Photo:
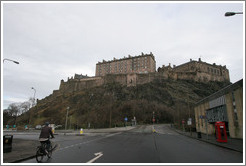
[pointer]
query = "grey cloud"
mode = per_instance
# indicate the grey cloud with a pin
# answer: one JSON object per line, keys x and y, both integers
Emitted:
{"x": 55, "y": 40}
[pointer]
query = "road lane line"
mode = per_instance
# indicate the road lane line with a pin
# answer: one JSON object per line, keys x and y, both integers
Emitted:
{"x": 109, "y": 135}
{"x": 98, "y": 155}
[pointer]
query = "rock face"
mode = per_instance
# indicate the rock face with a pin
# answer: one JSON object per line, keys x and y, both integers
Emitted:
{"x": 108, "y": 104}
{"x": 104, "y": 101}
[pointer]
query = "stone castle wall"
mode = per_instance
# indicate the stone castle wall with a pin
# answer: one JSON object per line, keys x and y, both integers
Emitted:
{"x": 194, "y": 70}
{"x": 197, "y": 71}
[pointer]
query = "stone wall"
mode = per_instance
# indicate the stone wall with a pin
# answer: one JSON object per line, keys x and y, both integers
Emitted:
{"x": 73, "y": 85}
{"x": 194, "y": 70}
{"x": 197, "y": 71}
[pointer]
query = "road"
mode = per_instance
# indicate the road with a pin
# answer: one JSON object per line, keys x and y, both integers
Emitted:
{"x": 139, "y": 145}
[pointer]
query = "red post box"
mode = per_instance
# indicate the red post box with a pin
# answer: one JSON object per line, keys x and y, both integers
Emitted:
{"x": 220, "y": 132}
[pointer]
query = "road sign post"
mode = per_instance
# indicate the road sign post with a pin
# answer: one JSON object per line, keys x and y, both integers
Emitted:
{"x": 126, "y": 119}
{"x": 183, "y": 121}
{"x": 189, "y": 123}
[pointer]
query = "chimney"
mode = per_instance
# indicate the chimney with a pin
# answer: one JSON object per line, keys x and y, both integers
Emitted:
{"x": 169, "y": 64}
{"x": 174, "y": 66}
{"x": 190, "y": 60}
{"x": 199, "y": 59}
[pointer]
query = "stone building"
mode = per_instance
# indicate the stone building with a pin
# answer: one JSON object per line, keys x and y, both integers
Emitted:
{"x": 196, "y": 70}
{"x": 132, "y": 71}
{"x": 225, "y": 105}
{"x": 144, "y": 63}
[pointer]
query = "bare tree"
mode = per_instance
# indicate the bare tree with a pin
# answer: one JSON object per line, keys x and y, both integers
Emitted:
{"x": 14, "y": 110}
{"x": 25, "y": 106}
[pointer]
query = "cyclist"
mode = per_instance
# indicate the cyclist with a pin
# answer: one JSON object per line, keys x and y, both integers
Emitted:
{"x": 45, "y": 134}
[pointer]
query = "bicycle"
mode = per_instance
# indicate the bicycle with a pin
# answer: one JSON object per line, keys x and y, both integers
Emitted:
{"x": 43, "y": 152}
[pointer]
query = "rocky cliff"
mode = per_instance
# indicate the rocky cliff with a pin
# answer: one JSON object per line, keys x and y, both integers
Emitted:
{"x": 108, "y": 104}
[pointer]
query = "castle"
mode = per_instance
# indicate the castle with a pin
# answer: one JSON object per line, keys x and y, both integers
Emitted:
{"x": 144, "y": 63}
{"x": 197, "y": 71}
{"x": 132, "y": 71}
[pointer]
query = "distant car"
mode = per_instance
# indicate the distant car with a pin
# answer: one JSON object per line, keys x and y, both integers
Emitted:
{"x": 38, "y": 127}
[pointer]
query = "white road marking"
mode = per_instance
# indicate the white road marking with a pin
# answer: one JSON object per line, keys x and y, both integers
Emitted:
{"x": 98, "y": 155}
{"x": 109, "y": 135}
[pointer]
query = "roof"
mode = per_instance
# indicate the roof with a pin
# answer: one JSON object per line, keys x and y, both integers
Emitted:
{"x": 222, "y": 92}
{"x": 129, "y": 57}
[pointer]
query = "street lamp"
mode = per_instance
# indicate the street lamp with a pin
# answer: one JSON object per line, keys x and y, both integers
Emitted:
{"x": 34, "y": 95}
{"x": 227, "y": 14}
{"x": 66, "y": 119}
{"x": 10, "y": 60}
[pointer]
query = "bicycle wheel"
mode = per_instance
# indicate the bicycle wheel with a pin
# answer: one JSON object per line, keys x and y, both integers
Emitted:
{"x": 50, "y": 151}
{"x": 39, "y": 155}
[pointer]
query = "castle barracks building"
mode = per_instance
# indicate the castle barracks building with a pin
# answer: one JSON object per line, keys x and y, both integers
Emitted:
{"x": 144, "y": 63}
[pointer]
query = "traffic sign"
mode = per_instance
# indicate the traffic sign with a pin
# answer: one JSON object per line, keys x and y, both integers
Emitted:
{"x": 126, "y": 119}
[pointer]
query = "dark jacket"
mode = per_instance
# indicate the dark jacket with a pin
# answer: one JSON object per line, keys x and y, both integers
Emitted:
{"x": 46, "y": 132}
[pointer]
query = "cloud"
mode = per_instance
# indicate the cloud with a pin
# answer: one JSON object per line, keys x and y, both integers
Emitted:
{"x": 53, "y": 41}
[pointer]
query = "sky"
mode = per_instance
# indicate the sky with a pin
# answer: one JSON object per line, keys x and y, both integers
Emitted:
{"x": 53, "y": 41}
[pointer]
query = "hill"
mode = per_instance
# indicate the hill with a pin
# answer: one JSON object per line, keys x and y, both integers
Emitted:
{"x": 108, "y": 105}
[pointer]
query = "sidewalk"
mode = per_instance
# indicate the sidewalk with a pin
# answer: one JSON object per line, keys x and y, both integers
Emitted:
{"x": 94, "y": 131}
{"x": 232, "y": 143}
{"x": 21, "y": 149}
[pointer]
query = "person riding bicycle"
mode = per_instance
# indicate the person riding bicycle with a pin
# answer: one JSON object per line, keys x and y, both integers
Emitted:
{"x": 45, "y": 134}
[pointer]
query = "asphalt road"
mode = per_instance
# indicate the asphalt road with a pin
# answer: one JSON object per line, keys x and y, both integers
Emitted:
{"x": 139, "y": 145}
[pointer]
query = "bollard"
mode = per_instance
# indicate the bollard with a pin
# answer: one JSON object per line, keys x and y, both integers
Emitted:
{"x": 81, "y": 131}
{"x": 153, "y": 129}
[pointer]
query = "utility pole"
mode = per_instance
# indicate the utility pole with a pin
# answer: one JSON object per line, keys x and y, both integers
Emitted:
{"x": 33, "y": 96}
{"x": 153, "y": 119}
{"x": 206, "y": 126}
{"x": 66, "y": 119}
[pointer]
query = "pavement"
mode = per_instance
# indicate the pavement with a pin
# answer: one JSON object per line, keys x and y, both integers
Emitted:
{"x": 231, "y": 144}
{"x": 21, "y": 149}
{"x": 25, "y": 149}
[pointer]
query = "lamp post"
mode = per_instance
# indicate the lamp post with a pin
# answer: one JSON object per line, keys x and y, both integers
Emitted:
{"x": 66, "y": 119}
{"x": 34, "y": 95}
{"x": 10, "y": 60}
{"x": 227, "y": 14}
